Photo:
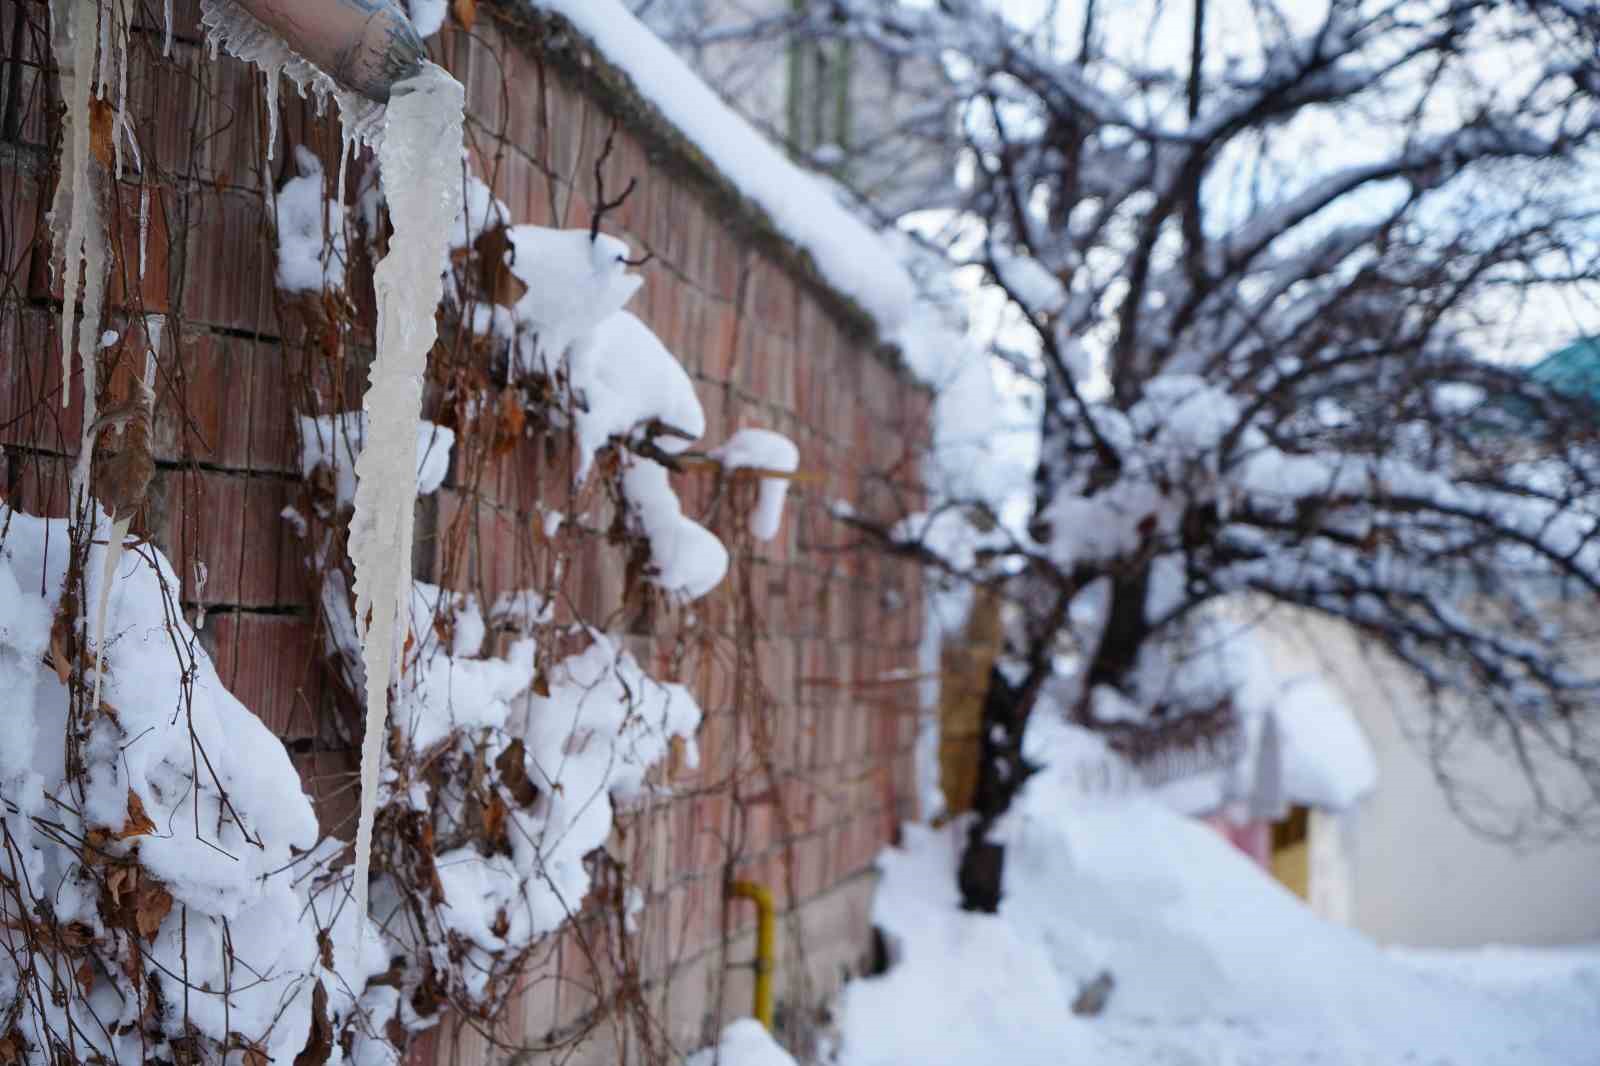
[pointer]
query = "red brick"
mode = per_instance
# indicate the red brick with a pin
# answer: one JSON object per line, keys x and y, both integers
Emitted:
{"x": 271, "y": 664}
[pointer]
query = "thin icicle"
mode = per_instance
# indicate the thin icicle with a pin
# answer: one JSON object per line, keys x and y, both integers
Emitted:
{"x": 166, "y": 47}
{"x": 74, "y": 50}
{"x": 424, "y": 198}
{"x": 116, "y": 543}
{"x": 144, "y": 229}
{"x": 274, "y": 77}
{"x": 114, "y": 549}
{"x": 120, "y": 13}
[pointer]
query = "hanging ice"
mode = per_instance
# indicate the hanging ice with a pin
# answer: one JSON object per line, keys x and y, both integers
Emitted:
{"x": 423, "y": 187}
{"x": 81, "y": 255}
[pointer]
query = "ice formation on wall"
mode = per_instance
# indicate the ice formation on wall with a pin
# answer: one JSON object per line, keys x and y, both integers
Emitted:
{"x": 81, "y": 256}
{"x": 424, "y": 199}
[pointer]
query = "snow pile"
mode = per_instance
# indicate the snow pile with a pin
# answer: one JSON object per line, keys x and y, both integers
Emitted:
{"x": 686, "y": 558}
{"x": 743, "y": 1043}
{"x": 185, "y": 829}
{"x": 574, "y": 280}
{"x": 614, "y": 381}
{"x": 559, "y": 762}
{"x": 334, "y": 442}
{"x": 765, "y": 451}
{"x": 614, "y": 378}
{"x": 626, "y": 384}
{"x": 311, "y": 240}
{"x": 1212, "y": 962}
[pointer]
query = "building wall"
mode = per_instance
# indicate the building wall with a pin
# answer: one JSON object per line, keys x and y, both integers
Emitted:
{"x": 765, "y": 342}
{"x": 1402, "y": 866}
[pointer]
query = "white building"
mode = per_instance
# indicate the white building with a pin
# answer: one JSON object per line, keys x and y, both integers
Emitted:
{"x": 1401, "y": 865}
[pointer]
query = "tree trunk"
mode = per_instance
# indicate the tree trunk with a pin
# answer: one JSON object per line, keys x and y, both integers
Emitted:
{"x": 1001, "y": 774}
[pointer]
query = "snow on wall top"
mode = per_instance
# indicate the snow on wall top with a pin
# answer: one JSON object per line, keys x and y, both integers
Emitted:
{"x": 849, "y": 254}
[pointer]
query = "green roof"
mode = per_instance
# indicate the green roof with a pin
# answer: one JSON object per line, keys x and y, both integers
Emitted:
{"x": 1573, "y": 371}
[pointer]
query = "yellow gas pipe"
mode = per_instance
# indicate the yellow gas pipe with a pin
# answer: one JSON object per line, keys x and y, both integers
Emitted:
{"x": 766, "y": 940}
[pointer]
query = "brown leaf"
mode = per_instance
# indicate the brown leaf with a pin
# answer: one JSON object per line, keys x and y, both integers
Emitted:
{"x": 139, "y": 823}
{"x": 120, "y": 879}
{"x": 325, "y": 948}
{"x": 494, "y": 823}
{"x": 11, "y": 1046}
{"x": 499, "y": 284}
{"x": 151, "y": 907}
{"x": 319, "y": 1042}
{"x": 60, "y": 660}
{"x": 76, "y": 936}
{"x": 466, "y": 12}
{"x": 511, "y": 422}
{"x": 512, "y": 767}
{"x": 85, "y": 976}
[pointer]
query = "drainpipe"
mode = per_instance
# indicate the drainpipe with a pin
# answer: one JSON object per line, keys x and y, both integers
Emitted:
{"x": 766, "y": 939}
{"x": 364, "y": 45}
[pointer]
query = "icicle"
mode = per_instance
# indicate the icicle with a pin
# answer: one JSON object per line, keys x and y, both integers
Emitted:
{"x": 121, "y": 31}
{"x": 144, "y": 229}
{"x": 345, "y": 148}
{"x": 85, "y": 244}
{"x": 102, "y": 29}
{"x": 166, "y": 47}
{"x": 119, "y": 532}
{"x": 424, "y": 199}
{"x": 74, "y": 52}
{"x": 274, "y": 76}
{"x": 119, "y": 527}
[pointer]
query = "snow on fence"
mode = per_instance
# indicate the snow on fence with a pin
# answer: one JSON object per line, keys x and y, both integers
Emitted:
{"x": 243, "y": 484}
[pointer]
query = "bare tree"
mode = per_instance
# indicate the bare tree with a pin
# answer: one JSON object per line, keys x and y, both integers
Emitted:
{"x": 1274, "y": 270}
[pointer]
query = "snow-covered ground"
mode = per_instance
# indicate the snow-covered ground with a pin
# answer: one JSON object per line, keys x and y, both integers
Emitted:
{"x": 1213, "y": 962}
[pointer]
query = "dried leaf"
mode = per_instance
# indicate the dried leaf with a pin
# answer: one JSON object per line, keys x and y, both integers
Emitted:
{"x": 513, "y": 418}
{"x": 498, "y": 283}
{"x": 139, "y": 823}
{"x": 325, "y": 948}
{"x": 60, "y": 661}
{"x": 466, "y": 12}
{"x": 75, "y": 936}
{"x": 151, "y": 907}
{"x": 11, "y": 1046}
{"x": 85, "y": 976}
{"x": 512, "y": 767}
{"x": 319, "y": 1042}
{"x": 494, "y": 823}
{"x": 120, "y": 879}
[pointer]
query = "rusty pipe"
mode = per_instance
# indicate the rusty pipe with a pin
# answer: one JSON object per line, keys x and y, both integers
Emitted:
{"x": 364, "y": 45}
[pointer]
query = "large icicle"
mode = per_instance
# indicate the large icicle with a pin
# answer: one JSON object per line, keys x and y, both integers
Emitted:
{"x": 82, "y": 254}
{"x": 422, "y": 183}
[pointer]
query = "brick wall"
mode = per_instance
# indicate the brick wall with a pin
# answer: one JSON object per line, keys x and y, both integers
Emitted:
{"x": 766, "y": 344}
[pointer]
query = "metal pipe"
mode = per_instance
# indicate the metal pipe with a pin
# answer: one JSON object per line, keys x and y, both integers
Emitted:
{"x": 766, "y": 945}
{"x": 364, "y": 45}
